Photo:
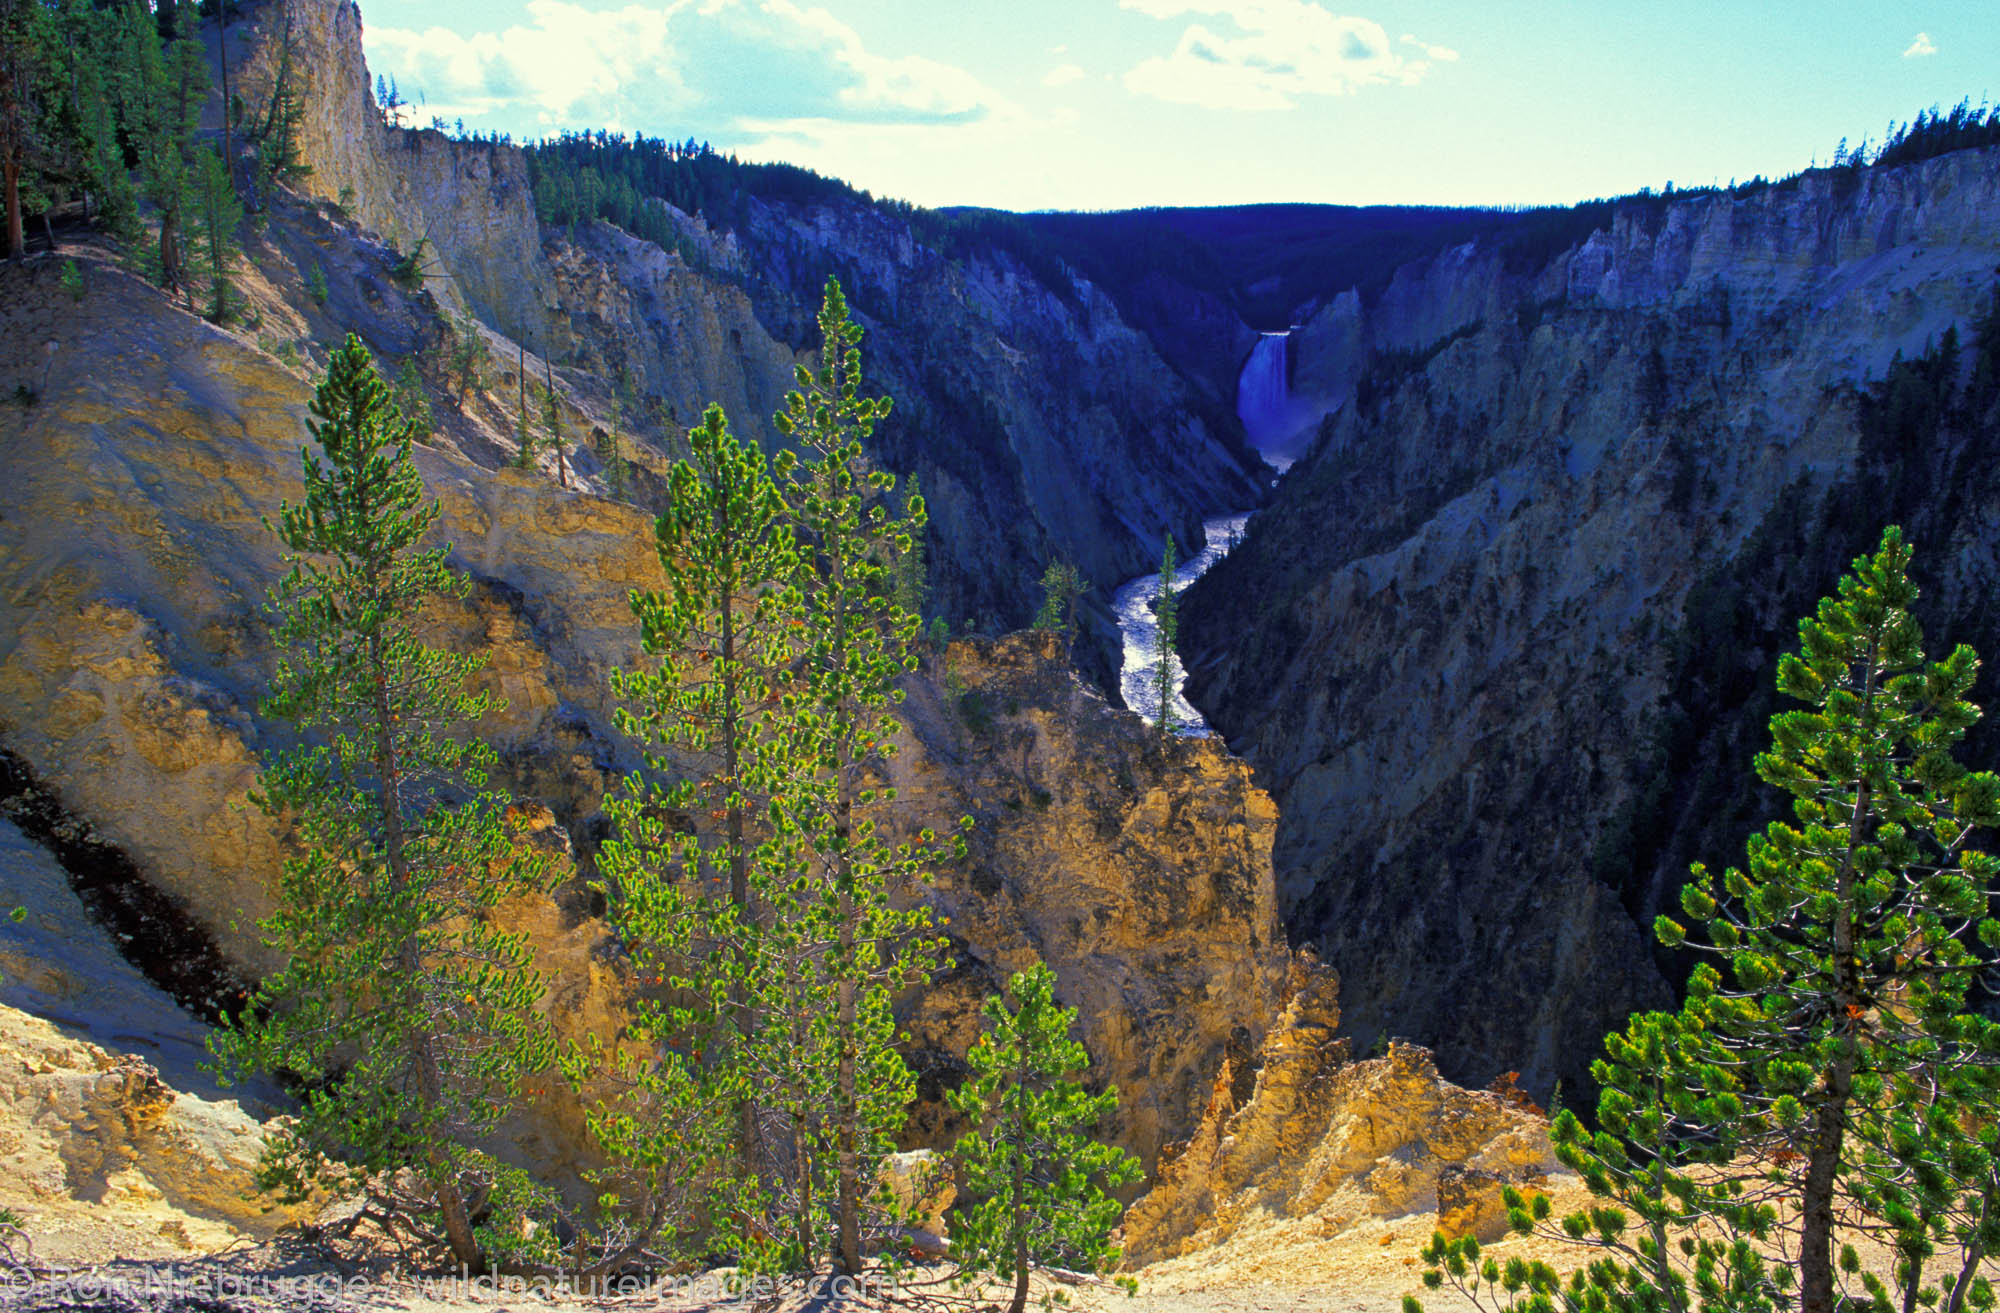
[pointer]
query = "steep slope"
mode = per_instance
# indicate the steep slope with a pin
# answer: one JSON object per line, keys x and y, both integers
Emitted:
{"x": 116, "y": 1140}
{"x": 1306, "y": 1142}
{"x": 1137, "y": 868}
{"x": 1040, "y": 423}
{"x": 1499, "y": 647}
{"x": 134, "y": 557}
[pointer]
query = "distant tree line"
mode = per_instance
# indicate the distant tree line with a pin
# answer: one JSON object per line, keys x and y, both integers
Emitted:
{"x": 606, "y": 175}
{"x": 1937, "y": 132}
{"x": 617, "y": 179}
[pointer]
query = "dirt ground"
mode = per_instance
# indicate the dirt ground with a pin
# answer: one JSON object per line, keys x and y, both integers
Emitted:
{"x": 1273, "y": 1270}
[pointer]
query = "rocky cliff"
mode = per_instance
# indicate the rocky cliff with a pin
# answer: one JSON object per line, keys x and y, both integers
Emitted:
{"x": 116, "y": 1141}
{"x": 1503, "y": 645}
{"x": 1298, "y": 1140}
{"x": 1136, "y": 868}
{"x": 1041, "y": 424}
{"x": 469, "y": 201}
{"x": 134, "y": 556}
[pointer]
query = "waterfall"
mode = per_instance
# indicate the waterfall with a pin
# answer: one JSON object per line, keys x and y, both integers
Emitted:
{"x": 1263, "y": 397}
{"x": 1276, "y": 421}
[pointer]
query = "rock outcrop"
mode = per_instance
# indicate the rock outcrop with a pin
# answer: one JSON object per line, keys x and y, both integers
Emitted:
{"x": 1502, "y": 648}
{"x": 114, "y": 1140}
{"x": 134, "y": 558}
{"x": 1136, "y": 869}
{"x": 470, "y": 202}
{"x": 1308, "y": 1138}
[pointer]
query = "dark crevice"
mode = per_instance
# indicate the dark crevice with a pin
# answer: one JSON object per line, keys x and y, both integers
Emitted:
{"x": 151, "y": 929}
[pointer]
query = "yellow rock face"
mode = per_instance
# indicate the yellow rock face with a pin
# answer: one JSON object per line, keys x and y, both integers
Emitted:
{"x": 112, "y": 1139}
{"x": 1138, "y": 870}
{"x": 1314, "y": 1135}
{"x": 133, "y": 558}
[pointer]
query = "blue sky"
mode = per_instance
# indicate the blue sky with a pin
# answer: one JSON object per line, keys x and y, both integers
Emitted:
{"x": 1108, "y": 104}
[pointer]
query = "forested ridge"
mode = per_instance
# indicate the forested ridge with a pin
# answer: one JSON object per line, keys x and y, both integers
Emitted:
{"x": 1265, "y": 261}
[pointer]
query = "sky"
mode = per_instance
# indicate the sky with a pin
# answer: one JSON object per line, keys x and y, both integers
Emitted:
{"x": 1114, "y": 104}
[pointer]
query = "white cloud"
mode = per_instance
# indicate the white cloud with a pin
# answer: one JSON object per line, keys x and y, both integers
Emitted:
{"x": 913, "y": 84}
{"x": 687, "y": 68}
{"x": 1923, "y": 45}
{"x": 1281, "y": 50}
{"x": 1442, "y": 54}
{"x": 1062, "y": 75}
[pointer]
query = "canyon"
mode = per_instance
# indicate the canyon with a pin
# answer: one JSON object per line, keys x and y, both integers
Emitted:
{"x": 1502, "y": 646}
{"x": 1475, "y": 664}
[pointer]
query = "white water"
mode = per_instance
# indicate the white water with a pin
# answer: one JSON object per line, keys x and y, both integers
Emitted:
{"x": 1136, "y": 622}
{"x": 1273, "y": 418}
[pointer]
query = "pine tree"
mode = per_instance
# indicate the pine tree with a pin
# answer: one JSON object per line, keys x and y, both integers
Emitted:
{"x": 29, "y": 56}
{"x": 525, "y": 445}
{"x": 859, "y": 644}
{"x": 1031, "y": 1166}
{"x": 97, "y": 40}
{"x": 470, "y": 356}
{"x": 1830, "y": 1071}
{"x": 725, "y": 631}
{"x": 912, "y": 567}
{"x": 611, "y": 454}
{"x": 552, "y": 430}
{"x": 162, "y": 99}
{"x": 412, "y": 401}
{"x": 406, "y": 1015}
{"x": 216, "y": 213}
{"x": 1166, "y": 633}
{"x": 276, "y": 135}
{"x": 1062, "y": 585}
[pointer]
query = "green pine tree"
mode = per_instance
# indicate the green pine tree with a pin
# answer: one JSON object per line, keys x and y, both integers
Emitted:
{"x": 1167, "y": 632}
{"x": 525, "y": 445}
{"x": 1031, "y": 1166}
{"x": 215, "y": 212}
{"x": 162, "y": 97}
{"x": 859, "y": 645}
{"x": 470, "y": 355}
{"x": 107, "y": 185}
{"x": 413, "y": 401}
{"x": 552, "y": 431}
{"x": 1828, "y": 1068}
{"x": 611, "y": 454}
{"x": 31, "y": 63}
{"x": 275, "y": 134}
{"x": 405, "y": 1013}
{"x": 912, "y": 571}
{"x": 1062, "y": 585}
{"x": 691, "y": 903}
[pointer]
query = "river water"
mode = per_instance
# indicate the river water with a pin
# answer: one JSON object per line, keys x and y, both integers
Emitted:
{"x": 1136, "y": 622}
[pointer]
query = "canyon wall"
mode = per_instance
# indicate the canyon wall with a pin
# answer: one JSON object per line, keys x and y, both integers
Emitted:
{"x": 1041, "y": 424}
{"x": 134, "y": 559}
{"x": 1503, "y": 645}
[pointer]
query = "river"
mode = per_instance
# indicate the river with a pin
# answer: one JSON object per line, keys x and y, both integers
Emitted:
{"x": 1137, "y": 624}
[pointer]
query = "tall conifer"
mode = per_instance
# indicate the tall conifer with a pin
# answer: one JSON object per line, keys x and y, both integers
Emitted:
{"x": 1166, "y": 632}
{"x": 1828, "y": 1075}
{"x": 859, "y": 644}
{"x": 406, "y": 1014}
{"x": 1033, "y": 1173}
{"x": 690, "y": 902}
